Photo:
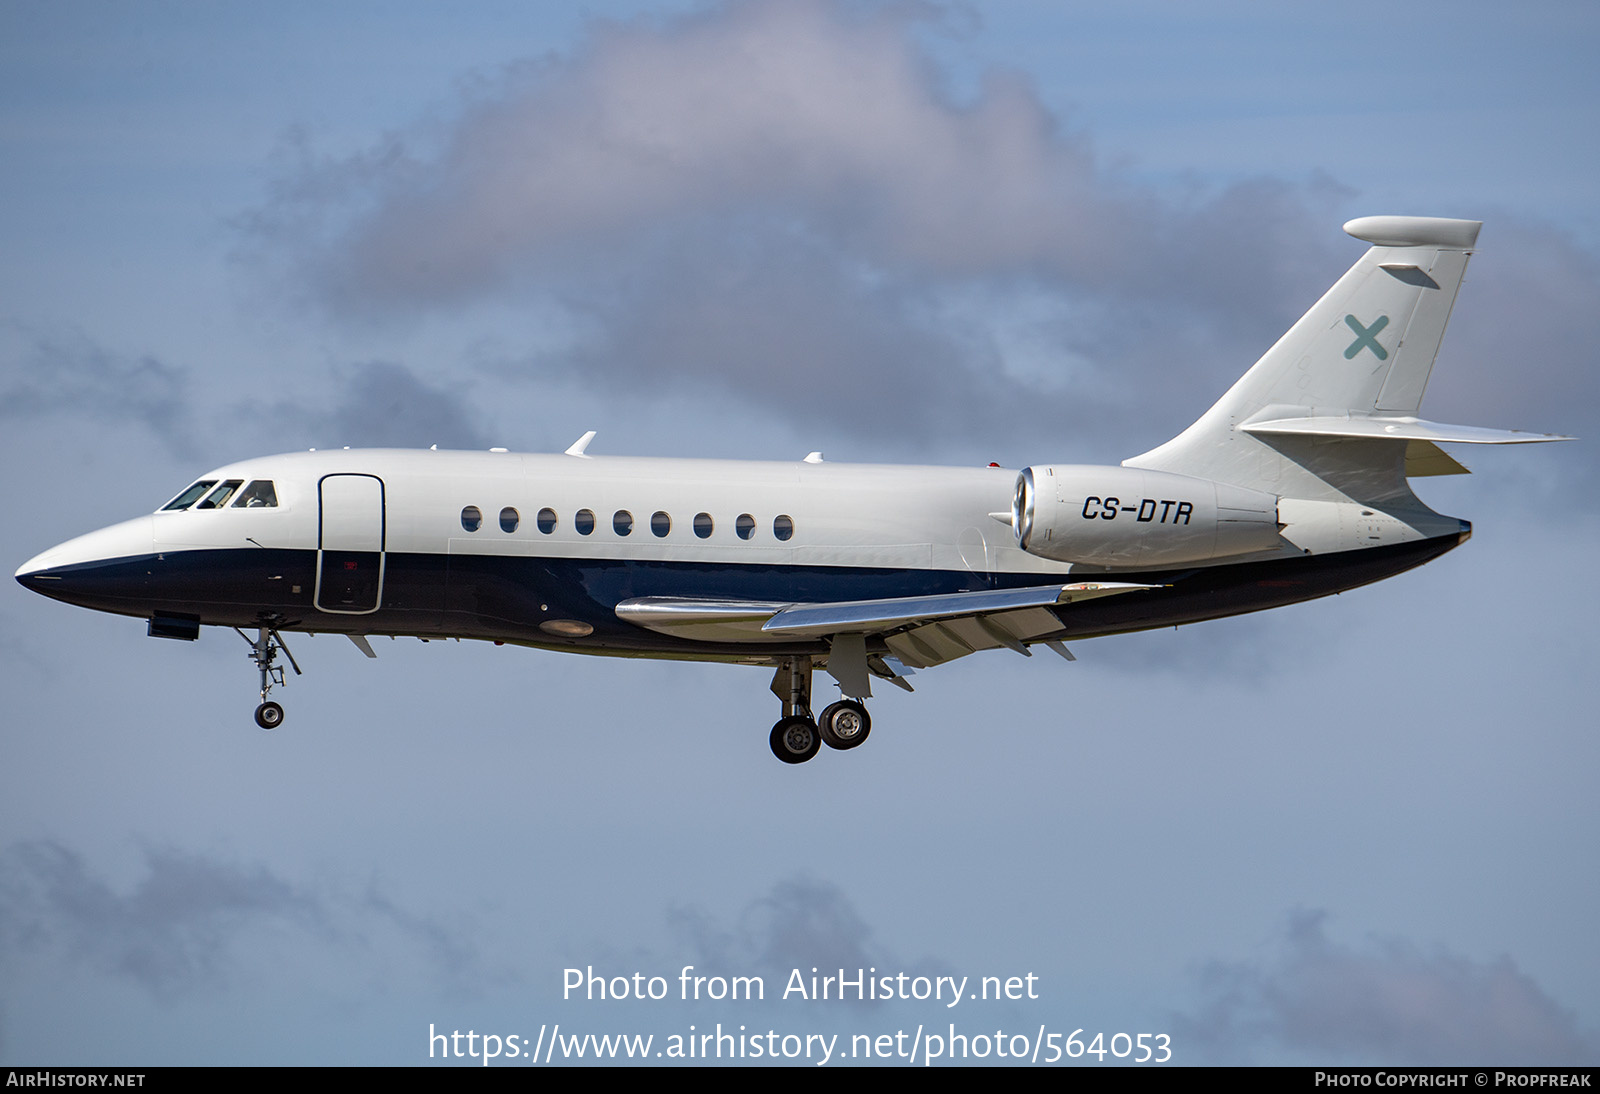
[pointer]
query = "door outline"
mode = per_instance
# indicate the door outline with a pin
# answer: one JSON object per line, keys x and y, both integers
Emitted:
{"x": 355, "y": 535}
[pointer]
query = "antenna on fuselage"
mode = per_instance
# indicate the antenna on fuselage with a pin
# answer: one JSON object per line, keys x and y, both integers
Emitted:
{"x": 580, "y": 444}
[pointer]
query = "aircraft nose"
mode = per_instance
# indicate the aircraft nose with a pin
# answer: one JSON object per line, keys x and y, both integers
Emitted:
{"x": 87, "y": 562}
{"x": 33, "y": 565}
{"x": 39, "y": 566}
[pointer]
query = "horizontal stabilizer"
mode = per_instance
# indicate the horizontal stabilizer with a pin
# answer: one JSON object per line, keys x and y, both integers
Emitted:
{"x": 1404, "y": 428}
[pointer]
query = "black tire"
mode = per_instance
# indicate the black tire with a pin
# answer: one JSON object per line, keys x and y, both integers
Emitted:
{"x": 795, "y": 740}
{"x": 845, "y": 724}
{"x": 269, "y": 716}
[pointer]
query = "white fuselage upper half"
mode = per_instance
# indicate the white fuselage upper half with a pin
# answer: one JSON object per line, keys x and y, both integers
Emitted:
{"x": 724, "y": 512}
{"x": 837, "y": 514}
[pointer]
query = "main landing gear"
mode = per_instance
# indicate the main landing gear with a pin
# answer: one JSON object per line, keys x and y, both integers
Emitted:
{"x": 797, "y": 737}
{"x": 263, "y": 652}
{"x": 844, "y": 724}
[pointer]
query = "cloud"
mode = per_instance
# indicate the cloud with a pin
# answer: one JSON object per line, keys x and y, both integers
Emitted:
{"x": 778, "y": 200}
{"x": 793, "y": 107}
{"x": 379, "y": 404}
{"x": 803, "y": 923}
{"x": 1383, "y": 1003}
{"x": 169, "y": 934}
{"x": 1522, "y": 339}
{"x": 191, "y": 923}
{"x": 69, "y": 373}
{"x": 795, "y": 338}
{"x": 449, "y": 950}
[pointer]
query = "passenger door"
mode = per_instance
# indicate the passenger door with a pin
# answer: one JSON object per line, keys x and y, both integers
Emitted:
{"x": 350, "y": 544}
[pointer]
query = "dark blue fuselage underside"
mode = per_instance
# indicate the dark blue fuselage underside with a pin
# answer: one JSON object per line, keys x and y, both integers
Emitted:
{"x": 506, "y": 598}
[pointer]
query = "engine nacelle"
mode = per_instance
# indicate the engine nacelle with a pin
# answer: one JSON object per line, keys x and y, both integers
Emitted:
{"x": 1130, "y": 517}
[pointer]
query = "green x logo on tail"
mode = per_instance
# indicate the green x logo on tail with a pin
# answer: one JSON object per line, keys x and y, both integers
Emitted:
{"x": 1366, "y": 337}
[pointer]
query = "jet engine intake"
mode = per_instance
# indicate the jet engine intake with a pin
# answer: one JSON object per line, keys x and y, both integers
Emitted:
{"x": 1130, "y": 517}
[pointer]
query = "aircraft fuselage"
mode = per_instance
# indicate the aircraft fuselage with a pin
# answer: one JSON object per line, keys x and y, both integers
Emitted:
{"x": 452, "y": 544}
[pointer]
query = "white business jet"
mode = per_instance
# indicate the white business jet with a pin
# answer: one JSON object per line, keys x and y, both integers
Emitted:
{"x": 1293, "y": 486}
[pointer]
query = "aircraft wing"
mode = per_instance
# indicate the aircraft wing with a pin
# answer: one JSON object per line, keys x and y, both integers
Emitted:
{"x": 919, "y": 630}
{"x": 922, "y": 631}
{"x": 876, "y": 616}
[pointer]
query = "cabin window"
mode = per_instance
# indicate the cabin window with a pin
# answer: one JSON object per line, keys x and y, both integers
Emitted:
{"x": 547, "y": 521}
{"x": 622, "y": 522}
{"x": 660, "y": 524}
{"x": 258, "y": 495}
{"x": 702, "y": 525}
{"x": 745, "y": 526}
{"x": 219, "y": 497}
{"x": 584, "y": 521}
{"x": 472, "y": 518}
{"x": 190, "y": 496}
{"x": 509, "y": 519}
{"x": 783, "y": 527}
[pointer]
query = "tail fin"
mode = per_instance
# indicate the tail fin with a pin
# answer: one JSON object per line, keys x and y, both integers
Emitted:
{"x": 1329, "y": 411}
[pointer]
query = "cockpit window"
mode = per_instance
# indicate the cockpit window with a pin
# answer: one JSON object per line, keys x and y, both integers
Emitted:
{"x": 190, "y": 496}
{"x": 219, "y": 497}
{"x": 258, "y": 495}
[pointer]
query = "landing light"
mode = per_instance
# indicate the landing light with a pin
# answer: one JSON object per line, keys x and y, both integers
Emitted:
{"x": 566, "y": 628}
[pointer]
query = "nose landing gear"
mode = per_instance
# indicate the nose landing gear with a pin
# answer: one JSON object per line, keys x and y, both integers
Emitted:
{"x": 263, "y": 653}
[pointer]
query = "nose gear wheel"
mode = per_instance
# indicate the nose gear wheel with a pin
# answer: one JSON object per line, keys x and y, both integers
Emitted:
{"x": 263, "y": 654}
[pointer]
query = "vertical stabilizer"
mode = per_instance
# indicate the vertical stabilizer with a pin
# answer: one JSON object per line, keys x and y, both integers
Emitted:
{"x": 1365, "y": 349}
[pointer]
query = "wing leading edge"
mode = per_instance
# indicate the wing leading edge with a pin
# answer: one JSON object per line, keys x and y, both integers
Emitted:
{"x": 920, "y": 631}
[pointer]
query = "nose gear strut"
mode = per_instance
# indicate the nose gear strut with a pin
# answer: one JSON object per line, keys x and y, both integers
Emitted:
{"x": 263, "y": 652}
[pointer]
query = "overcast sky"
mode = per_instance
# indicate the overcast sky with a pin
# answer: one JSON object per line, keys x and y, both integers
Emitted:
{"x": 1359, "y": 830}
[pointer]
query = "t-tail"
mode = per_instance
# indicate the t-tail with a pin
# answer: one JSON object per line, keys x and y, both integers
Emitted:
{"x": 1327, "y": 419}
